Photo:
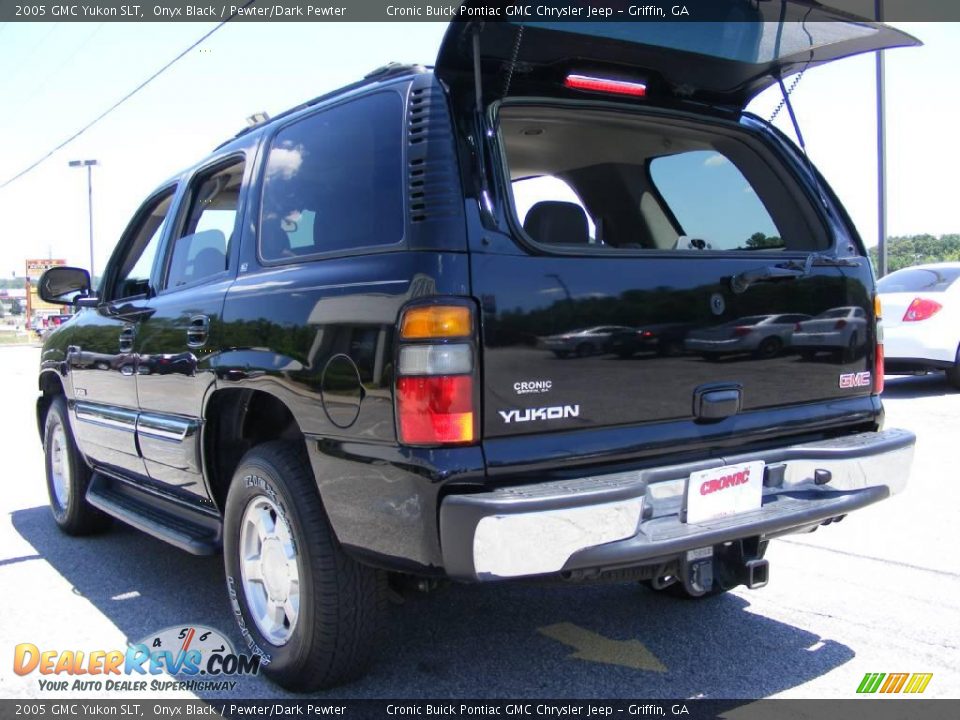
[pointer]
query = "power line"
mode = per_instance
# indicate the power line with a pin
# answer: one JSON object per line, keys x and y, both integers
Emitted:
{"x": 56, "y": 72}
{"x": 33, "y": 49}
{"x": 126, "y": 97}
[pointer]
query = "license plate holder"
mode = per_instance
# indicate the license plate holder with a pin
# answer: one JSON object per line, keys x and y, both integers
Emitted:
{"x": 723, "y": 491}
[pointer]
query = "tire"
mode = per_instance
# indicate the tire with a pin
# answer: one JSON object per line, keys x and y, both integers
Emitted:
{"x": 335, "y": 625}
{"x": 770, "y": 347}
{"x": 953, "y": 374}
{"x": 585, "y": 350}
{"x": 671, "y": 348}
{"x": 853, "y": 348}
{"x": 561, "y": 354}
{"x": 807, "y": 354}
{"x": 68, "y": 476}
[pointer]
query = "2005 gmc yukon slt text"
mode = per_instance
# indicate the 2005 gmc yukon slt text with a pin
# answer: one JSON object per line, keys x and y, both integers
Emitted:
{"x": 319, "y": 350}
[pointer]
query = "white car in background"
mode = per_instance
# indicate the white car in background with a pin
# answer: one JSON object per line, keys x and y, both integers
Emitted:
{"x": 921, "y": 319}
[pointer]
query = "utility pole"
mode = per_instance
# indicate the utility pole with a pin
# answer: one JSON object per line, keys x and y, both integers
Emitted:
{"x": 881, "y": 157}
{"x": 88, "y": 164}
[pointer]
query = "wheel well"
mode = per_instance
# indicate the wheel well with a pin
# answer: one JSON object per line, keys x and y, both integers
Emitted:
{"x": 235, "y": 421}
{"x": 50, "y": 386}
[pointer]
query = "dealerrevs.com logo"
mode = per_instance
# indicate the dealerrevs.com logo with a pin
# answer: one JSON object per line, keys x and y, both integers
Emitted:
{"x": 200, "y": 654}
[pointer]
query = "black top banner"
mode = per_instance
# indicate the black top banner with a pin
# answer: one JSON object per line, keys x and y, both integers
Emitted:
{"x": 439, "y": 11}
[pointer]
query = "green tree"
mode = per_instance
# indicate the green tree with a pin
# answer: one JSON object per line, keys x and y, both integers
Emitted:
{"x": 905, "y": 251}
{"x": 759, "y": 240}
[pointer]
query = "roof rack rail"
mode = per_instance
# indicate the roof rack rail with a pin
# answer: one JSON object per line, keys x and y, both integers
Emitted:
{"x": 394, "y": 69}
{"x": 384, "y": 72}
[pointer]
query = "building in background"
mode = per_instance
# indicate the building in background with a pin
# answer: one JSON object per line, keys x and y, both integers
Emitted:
{"x": 38, "y": 310}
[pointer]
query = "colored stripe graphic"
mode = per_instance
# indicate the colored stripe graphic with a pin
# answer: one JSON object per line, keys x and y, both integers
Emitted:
{"x": 894, "y": 682}
{"x": 918, "y": 682}
{"x": 870, "y": 682}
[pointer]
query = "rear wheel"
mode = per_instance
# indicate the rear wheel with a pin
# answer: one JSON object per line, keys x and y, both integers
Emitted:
{"x": 953, "y": 374}
{"x": 849, "y": 353}
{"x": 309, "y": 610}
{"x": 585, "y": 349}
{"x": 68, "y": 476}
{"x": 770, "y": 347}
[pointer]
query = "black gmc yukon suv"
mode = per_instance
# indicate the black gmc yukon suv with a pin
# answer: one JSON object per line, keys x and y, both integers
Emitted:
{"x": 371, "y": 338}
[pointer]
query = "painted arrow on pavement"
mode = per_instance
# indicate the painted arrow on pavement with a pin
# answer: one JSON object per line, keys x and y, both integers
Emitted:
{"x": 596, "y": 648}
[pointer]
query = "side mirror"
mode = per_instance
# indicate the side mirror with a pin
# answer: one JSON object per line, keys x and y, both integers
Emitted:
{"x": 64, "y": 285}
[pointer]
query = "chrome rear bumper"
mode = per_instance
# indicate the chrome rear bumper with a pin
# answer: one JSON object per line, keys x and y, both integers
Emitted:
{"x": 633, "y": 518}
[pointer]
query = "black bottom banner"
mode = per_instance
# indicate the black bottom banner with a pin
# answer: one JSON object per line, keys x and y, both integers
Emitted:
{"x": 699, "y": 709}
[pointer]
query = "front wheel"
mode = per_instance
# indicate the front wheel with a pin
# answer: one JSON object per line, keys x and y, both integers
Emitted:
{"x": 311, "y": 612}
{"x": 68, "y": 476}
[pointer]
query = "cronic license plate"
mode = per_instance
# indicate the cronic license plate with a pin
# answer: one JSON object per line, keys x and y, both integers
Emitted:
{"x": 723, "y": 491}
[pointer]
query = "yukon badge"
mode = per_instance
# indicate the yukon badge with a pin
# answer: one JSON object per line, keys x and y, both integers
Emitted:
{"x": 558, "y": 412}
{"x": 855, "y": 380}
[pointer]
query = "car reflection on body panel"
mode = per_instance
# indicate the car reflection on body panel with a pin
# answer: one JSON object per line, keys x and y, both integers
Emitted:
{"x": 588, "y": 341}
{"x": 662, "y": 338}
{"x": 842, "y": 330}
{"x": 764, "y": 336}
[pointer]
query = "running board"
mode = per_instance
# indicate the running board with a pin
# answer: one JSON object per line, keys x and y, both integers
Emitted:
{"x": 189, "y": 529}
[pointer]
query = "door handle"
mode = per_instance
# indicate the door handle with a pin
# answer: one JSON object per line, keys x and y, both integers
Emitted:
{"x": 127, "y": 336}
{"x": 198, "y": 331}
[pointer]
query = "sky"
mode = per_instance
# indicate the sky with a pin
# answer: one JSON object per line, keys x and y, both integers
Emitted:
{"x": 56, "y": 77}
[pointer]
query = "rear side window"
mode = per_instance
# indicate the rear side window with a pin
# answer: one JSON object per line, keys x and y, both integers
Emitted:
{"x": 918, "y": 280}
{"x": 334, "y": 181}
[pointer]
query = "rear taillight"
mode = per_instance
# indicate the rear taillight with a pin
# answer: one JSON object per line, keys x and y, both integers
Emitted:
{"x": 436, "y": 376}
{"x": 878, "y": 371}
{"x": 741, "y": 331}
{"x": 921, "y": 309}
{"x": 878, "y": 368}
{"x": 646, "y": 334}
{"x": 840, "y": 324}
{"x": 797, "y": 328}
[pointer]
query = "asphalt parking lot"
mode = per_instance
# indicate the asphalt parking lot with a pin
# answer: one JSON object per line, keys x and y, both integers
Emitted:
{"x": 879, "y": 592}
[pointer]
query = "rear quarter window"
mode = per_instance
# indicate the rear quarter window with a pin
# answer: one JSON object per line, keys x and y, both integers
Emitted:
{"x": 918, "y": 280}
{"x": 333, "y": 181}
